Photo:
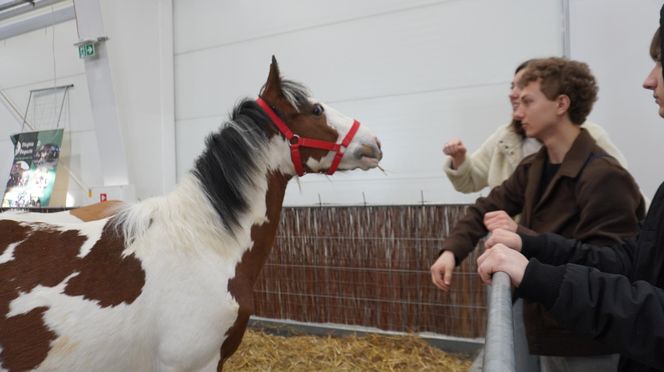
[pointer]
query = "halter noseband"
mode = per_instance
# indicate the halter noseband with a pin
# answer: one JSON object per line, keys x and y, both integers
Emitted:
{"x": 296, "y": 141}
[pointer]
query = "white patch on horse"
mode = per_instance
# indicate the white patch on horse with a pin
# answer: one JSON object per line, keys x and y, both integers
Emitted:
{"x": 38, "y": 296}
{"x": 8, "y": 255}
{"x": 260, "y": 221}
{"x": 85, "y": 328}
{"x": 279, "y": 155}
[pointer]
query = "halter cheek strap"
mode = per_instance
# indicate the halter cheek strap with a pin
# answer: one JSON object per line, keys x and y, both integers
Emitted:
{"x": 296, "y": 141}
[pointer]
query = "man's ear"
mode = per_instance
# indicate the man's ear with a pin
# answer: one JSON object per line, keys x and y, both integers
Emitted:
{"x": 563, "y": 104}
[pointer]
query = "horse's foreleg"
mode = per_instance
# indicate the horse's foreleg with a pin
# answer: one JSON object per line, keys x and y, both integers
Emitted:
{"x": 234, "y": 337}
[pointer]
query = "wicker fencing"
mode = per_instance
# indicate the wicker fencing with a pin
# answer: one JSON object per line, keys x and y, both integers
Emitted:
{"x": 369, "y": 266}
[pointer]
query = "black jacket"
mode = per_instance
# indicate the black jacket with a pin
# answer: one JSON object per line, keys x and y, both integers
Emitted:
{"x": 622, "y": 305}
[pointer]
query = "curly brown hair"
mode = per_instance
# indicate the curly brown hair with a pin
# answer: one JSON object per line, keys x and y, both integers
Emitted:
{"x": 561, "y": 76}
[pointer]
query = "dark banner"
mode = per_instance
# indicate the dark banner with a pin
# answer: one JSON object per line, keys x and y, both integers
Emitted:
{"x": 33, "y": 171}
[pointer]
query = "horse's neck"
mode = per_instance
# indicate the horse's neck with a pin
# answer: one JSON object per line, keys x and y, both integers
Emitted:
{"x": 263, "y": 235}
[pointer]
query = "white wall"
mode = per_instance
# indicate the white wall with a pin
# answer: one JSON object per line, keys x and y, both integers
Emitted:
{"x": 613, "y": 37}
{"x": 416, "y": 72}
{"x": 28, "y": 62}
{"x": 140, "y": 47}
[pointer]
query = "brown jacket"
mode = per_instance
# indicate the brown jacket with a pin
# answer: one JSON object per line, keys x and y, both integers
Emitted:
{"x": 591, "y": 198}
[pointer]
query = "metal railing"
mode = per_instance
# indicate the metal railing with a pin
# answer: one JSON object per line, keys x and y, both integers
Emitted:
{"x": 499, "y": 340}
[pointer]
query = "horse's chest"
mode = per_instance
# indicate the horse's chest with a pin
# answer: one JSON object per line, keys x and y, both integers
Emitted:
{"x": 191, "y": 304}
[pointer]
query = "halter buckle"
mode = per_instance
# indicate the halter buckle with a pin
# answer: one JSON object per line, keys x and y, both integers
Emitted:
{"x": 294, "y": 141}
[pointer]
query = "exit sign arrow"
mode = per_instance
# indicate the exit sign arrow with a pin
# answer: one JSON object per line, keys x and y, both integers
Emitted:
{"x": 86, "y": 50}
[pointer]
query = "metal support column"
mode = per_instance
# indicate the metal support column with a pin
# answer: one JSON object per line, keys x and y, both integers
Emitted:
{"x": 102, "y": 98}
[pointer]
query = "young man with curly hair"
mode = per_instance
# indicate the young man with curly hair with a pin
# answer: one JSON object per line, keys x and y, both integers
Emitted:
{"x": 613, "y": 294}
{"x": 570, "y": 186}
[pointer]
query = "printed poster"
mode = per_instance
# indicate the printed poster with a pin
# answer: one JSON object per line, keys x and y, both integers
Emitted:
{"x": 32, "y": 175}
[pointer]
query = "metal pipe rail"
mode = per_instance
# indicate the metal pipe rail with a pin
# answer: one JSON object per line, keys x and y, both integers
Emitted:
{"x": 499, "y": 340}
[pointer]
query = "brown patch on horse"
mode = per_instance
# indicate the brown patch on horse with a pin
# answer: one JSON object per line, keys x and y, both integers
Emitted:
{"x": 46, "y": 257}
{"x": 96, "y": 211}
{"x": 105, "y": 276}
{"x": 241, "y": 286}
{"x": 25, "y": 340}
{"x": 12, "y": 232}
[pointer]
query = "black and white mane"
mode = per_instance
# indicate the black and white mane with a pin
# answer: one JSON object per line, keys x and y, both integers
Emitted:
{"x": 235, "y": 155}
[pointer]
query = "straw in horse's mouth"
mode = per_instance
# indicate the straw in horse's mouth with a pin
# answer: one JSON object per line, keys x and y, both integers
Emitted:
{"x": 369, "y": 162}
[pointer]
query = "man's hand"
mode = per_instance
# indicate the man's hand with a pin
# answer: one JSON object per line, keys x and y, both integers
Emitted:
{"x": 508, "y": 238}
{"x": 502, "y": 258}
{"x": 457, "y": 151}
{"x": 499, "y": 220}
{"x": 441, "y": 270}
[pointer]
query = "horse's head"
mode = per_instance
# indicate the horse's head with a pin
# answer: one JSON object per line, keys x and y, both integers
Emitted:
{"x": 321, "y": 138}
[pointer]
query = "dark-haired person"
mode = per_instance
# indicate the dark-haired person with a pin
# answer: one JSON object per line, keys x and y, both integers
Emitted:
{"x": 613, "y": 294}
{"x": 571, "y": 186}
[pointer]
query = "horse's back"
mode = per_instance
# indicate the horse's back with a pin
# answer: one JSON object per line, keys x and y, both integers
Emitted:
{"x": 64, "y": 217}
{"x": 87, "y": 213}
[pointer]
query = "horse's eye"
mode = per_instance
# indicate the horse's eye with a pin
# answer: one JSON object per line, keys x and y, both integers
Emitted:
{"x": 318, "y": 110}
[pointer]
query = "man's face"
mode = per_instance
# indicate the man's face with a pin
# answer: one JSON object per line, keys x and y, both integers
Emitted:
{"x": 537, "y": 113}
{"x": 654, "y": 82}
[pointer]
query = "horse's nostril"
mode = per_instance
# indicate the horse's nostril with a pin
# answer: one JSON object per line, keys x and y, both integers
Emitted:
{"x": 369, "y": 151}
{"x": 378, "y": 144}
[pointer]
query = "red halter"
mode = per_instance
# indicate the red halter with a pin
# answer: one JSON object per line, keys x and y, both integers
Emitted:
{"x": 296, "y": 141}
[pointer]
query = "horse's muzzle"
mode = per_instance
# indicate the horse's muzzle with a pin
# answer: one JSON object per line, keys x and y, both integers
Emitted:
{"x": 370, "y": 151}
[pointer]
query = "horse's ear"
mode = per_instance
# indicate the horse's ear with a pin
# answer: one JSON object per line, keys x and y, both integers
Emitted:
{"x": 272, "y": 87}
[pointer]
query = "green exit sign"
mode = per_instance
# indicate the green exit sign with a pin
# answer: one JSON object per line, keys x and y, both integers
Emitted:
{"x": 87, "y": 50}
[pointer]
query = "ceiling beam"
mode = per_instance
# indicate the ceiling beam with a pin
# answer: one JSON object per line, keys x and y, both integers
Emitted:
{"x": 37, "y": 22}
{"x": 19, "y": 7}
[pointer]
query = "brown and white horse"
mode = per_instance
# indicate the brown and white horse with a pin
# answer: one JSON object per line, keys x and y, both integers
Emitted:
{"x": 166, "y": 284}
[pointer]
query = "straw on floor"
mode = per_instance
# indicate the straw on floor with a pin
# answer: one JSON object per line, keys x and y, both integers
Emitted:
{"x": 264, "y": 352}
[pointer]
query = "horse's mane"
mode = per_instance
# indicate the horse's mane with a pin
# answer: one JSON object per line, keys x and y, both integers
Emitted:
{"x": 233, "y": 158}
